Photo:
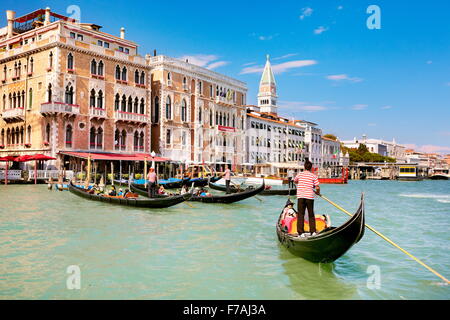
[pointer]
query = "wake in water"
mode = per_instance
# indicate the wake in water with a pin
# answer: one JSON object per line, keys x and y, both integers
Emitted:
{"x": 443, "y": 198}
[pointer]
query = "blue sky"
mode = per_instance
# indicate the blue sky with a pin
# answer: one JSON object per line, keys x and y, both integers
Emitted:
{"x": 330, "y": 68}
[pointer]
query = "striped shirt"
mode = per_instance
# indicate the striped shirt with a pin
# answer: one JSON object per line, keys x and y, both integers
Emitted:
{"x": 306, "y": 181}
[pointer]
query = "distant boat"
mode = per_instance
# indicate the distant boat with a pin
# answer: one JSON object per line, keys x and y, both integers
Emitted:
{"x": 408, "y": 173}
{"x": 440, "y": 174}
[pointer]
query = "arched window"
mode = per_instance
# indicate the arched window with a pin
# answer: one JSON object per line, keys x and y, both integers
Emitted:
{"x": 100, "y": 99}
{"x": 49, "y": 93}
{"x": 123, "y": 142}
{"x": 14, "y": 100}
{"x": 50, "y": 60}
{"x": 4, "y": 102}
{"x": 100, "y": 138}
{"x": 3, "y": 137}
{"x": 217, "y": 118}
{"x": 21, "y": 135}
{"x": 142, "y": 106}
{"x": 117, "y": 139}
{"x": 210, "y": 118}
{"x": 156, "y": 110}
{"x": 93, "y": 67}
{"x": 69, "y": 94}
{"x": 136, "y": 76}
{"x": 117, "y": 73}
{"x": 69, "y": 136}
{"x": 136, "y": 105}
{"x": 117, "y": 102}
{"x": 130, "y": 104}
{"x": 169, "y": 76}
{"x": 8, "y": 137}
{"x": 92, "y": 99}
{"x": 141, "y": 141}
{"x": 234, "y": 121}
{"x": 100, "y": 68}
{"x": 168, "y": 108}
{"x": 124, "y": 74}
{"x": 30, "y": 98}
{"x": 124, "y": 103}
{"x": 31, "y": 65}
{"x": 70, "y": 61}
{"x": 142, "y": 80}
{"x": 185, "y": 83}
{"x": 136, "y": 141}
{"x": 47, "y": 133}
{"x": 92, "y": 137}
{"x": 200, "y": 114}
{"x": 183, "y": 111}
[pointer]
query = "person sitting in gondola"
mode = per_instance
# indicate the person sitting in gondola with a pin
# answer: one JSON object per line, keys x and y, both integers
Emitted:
{"x": 288, "y": 216}
{"x": 113, "y": 191}
{"x": 184, "y": 189}
{"x": 204, "y": 193}
{"x": 120, "y": 193}
{"x": 162, "y": 191}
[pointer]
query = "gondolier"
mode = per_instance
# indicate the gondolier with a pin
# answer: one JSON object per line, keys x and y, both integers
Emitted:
{"x": 227, "y": 177}
{"x": 152, "y": 180}
{"x": 307, "y": 185}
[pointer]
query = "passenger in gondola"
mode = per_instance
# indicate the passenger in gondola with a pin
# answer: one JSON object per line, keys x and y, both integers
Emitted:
{"x": 288, "y": 216}
{"x": 184, "y": 189}
{"x": 162, "y": 191}
{"x": 307, "y": 186}
{"x": 204, "y": 193}
{"x": 113, "y": 191}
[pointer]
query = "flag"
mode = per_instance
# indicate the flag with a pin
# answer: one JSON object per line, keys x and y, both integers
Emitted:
{"x": 335, "y": 154}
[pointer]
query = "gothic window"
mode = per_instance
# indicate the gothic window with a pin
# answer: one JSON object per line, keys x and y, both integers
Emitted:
{"x": 100, "y": 68}
{"x": 100, "y": 99}
{"x": 124, "y": 74}
{"x": 135, "y": 105}
{"x": 136, "y": 76}
{"x": 49, "y": 93}
{"x": 123, "y": 142}
{"x": 117, "y": 139}
{"x": 69, "y": 136}
{"x": 47, "y": 133}
{"x": 70, "y": 61}
{"x": 69, "y": 94}
{"x": 117, "y": 73}
{"x": 100, "y": 138}
{"x": 130, "y": 104}
{"x": 117, "y": 102}
{"x": 142, "y": 80}
{"x": 142, "y": 106}
{"x": 124, "y": 103}
{"x": 93, "y": 67}
{"x": 92, "y": 99}
{"x": 183, "y": 110}
{"x": 136, "y": 141}
{"x": 168, "y": 108}
{"x": 141, "y": 141}
{"x": 92, "y": 138}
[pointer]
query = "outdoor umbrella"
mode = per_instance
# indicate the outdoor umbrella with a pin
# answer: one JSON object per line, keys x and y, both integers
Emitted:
{"x": 34, "y": 157}
{"x": 7, "y": 159}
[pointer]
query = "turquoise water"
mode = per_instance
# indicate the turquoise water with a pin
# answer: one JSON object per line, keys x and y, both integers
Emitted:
{"x": 217, "y": 251}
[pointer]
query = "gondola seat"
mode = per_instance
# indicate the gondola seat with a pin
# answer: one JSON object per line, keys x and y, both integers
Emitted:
{"x": 322, "y": 222}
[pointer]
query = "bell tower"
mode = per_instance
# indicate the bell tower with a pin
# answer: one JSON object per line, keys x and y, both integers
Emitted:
{"x": 267, "y": 95}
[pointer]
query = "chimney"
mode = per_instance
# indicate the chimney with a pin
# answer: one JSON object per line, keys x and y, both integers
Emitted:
{"x": 47, "y": 16}
{"x": 122, "y": 33}
{"x": 154, "y": 52}
{"x": 10, "y": 16}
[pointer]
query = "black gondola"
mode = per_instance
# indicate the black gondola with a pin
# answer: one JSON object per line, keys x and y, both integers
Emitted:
{"x": 266, "y": 192}
{"x": 229, "y": 198}
{"x": 226, "y": 198}
{"x": 132, "y": 202}
{"x": 328, "y": 245}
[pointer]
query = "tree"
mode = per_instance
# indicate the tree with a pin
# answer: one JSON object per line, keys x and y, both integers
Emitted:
{"x": 330, "y": 136}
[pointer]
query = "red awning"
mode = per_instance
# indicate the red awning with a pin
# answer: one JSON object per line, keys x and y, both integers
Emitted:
{"x": 7, "y": 158}
{"x": 31, "y": 157}
{"x": 114, "y": 156}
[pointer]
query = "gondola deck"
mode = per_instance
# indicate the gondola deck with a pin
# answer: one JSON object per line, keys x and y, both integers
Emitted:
{"x": 266, "y": 192}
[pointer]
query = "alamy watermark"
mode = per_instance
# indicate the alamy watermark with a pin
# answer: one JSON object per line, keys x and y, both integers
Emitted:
{"x": 374, "y": 280}
{"x": 74, "y": 279}
{"x": 374, "y": 20}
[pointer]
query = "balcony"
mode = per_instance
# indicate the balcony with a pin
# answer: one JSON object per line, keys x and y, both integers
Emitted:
{"x": 97, "y": 112}
{"x": 130, "y": 117}
{"x": 12, "y": 115}
{"x": 49, "y": 108}
{"x": 224, "y": 100}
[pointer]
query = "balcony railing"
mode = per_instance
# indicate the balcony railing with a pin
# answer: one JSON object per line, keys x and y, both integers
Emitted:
{"x": 97, "y": 112}
{"x": 60, "y": 107}
{"x": 129, "y": 116}
{"x": 12, "y": 114}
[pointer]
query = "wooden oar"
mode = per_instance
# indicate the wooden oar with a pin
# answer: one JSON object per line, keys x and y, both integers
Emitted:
{"x": 388, "y": 240}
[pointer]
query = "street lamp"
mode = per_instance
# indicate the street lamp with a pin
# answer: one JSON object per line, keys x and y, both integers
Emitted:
{"x": 153, "y": 154}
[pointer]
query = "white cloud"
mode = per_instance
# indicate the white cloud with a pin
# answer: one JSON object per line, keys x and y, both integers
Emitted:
{"x": 429, "y": 62}
{"x": 306, "y": 12}
{"x": 386, "y": 107}
{"x": 248, "y": 64}
{"x": 372, "y": 124}
{"x": 359, "y": 106}
{"x": 320, "y": 30}
{"x": 448, "y": 84}
{"x": 293, "y": 106}
{"x": 340, "y": 77}
{"x": 208, "y": 61}
{"x": 280, "y": 68}
{"x": 429, "y": 148}
{"x": 263, "y": 37}
{"x": 285, "y": 56}
{"x": 340, "y": 7}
